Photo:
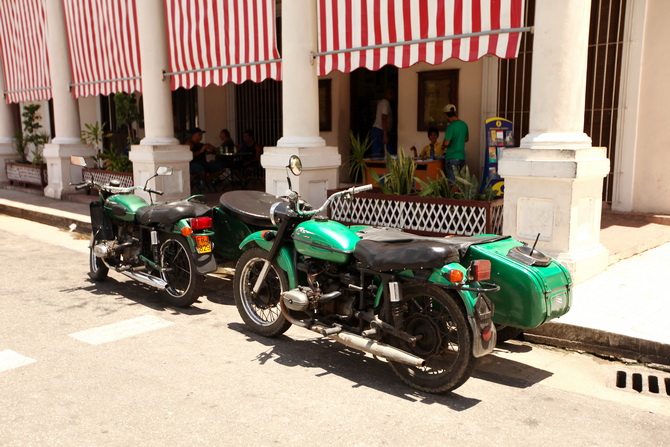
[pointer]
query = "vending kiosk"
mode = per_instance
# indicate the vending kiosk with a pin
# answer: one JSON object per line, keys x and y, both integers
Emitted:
{"x": 499, "y": 135}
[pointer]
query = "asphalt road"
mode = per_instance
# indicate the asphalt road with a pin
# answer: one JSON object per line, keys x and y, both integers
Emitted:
{"x": 88, "y": 364}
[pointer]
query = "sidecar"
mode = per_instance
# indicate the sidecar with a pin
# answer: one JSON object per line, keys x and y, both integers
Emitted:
{"x": 239, "y": 214}
{"x": 534, "y": 288}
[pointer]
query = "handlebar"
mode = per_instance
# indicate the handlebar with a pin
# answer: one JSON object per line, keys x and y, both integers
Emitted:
{"x": 115, "y": 189}
{"x": 347, "y": 192}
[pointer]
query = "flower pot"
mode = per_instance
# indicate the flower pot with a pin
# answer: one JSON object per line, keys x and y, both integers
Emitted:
{"x": 421, "y": 215}
{"x": 26, "y": 173}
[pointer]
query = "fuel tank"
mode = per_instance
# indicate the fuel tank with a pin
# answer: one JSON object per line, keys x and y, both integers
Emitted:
{"x": 325, "y": 239}
{"x": 124, "y": 206}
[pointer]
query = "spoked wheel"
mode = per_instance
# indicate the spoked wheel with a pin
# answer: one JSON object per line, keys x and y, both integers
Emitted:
{"x": 184, "y": 283}
{"x": 97, "y": 270}
{"x": 260, "y": 311}
{"x": 445, "y": 340}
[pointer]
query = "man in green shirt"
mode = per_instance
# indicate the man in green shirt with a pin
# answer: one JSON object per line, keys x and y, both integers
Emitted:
{"x": 455, "y": 137}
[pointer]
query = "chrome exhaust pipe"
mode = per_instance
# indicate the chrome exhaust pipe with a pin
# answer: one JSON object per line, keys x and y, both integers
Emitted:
{"x": 149, "y": 280}
{"x": 377, "y": 348}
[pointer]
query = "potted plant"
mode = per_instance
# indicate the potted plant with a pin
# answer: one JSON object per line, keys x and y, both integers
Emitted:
{"x": 109, "y": 164}
{"x": 29, "y": 166}
{"x": 357, "y": 167}
{"x": 440, "y": 207}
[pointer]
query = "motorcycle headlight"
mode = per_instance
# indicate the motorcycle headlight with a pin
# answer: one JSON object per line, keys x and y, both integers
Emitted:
{"x": 278, "y": 213}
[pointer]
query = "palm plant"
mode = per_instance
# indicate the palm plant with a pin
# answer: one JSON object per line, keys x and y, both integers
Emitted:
{"x": 357, "y": 166}
{"x": 400, "y": 176}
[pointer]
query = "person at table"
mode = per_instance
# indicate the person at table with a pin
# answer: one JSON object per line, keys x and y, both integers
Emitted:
{"x": 204, "y": 165}
{"x": 227, "y": 144}
{"x": 434, "y": 148}
{"x": 250, "y": 146}
{"x": 455, "y": 137}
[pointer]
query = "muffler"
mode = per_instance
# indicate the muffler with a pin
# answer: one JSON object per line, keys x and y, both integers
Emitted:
{"x": 377, "y": 348}
{"x": 149, "y": 280}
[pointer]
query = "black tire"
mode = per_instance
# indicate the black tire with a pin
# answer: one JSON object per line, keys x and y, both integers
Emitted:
{"x": 505, "y": 333}
{"x": 446, "y": 342}
{"x": 97, "y": 270}
{"x": 261, "y": 312}
{"x": 184, "y": 283}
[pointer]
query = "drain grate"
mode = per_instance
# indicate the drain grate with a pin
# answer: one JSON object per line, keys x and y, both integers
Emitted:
{"x": 649, "y": 384}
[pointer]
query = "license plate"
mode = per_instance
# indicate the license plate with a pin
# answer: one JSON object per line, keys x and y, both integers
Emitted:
{"x": 202, "y": 244}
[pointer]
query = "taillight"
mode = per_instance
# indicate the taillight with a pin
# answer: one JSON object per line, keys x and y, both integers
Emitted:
{"x": 487, "y": 332}
{"x": 455, "y": 276}
{"x": 479, "y": 270}
{"x": 201, "y": 223}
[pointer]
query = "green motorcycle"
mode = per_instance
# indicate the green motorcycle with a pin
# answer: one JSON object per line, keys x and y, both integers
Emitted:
{"x": 412, "y": 303}
{"x": 166, "y": 246}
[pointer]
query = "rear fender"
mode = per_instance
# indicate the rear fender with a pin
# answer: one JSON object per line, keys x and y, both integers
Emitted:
{"x": 284, "y": 257}
{"x": 204, "y": 262}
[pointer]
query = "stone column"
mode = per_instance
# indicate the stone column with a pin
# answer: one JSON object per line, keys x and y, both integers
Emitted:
{"x": 159, "y": 147}
{"x": 65, "y": 109}
{"x": 7, "y": 131}
{"x": 553, "y": 182}
{"x": 300, "y": 95}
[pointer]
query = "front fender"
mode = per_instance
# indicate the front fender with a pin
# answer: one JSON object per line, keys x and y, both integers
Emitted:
{"x": 284, "y": 257}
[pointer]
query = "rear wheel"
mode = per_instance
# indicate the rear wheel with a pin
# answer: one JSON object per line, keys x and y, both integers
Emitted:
{"x": 260, "y": 311}
{"x": 184, "y": 283}
{"x": 445, "y": 340}
{"x": 97, "y": 270}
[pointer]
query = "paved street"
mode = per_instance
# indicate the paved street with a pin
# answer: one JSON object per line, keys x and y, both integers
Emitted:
{"x": 87, "y": 364}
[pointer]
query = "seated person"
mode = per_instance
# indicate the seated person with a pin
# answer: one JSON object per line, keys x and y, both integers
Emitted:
{"x": 204, "y": 165}
{"x": 438, "y": 150}
{"x": 227, "y": 143}
{"x": 251, "y": 146}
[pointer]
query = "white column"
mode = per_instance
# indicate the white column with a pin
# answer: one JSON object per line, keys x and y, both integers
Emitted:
{"x": 300, "y": 96}
{"x": 7, "y": 131}
{"x": 159, "y": 147}
{"x": 553, "y": 182}
{"x": 66, "y": 111}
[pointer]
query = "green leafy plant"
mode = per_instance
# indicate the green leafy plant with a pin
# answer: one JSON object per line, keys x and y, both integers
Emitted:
{"x": 94, "y": 135}
{"x": 357, "y": 166}
{"x": 465, "y": 187}
{"x": 127, "y": 113}
{"x": 116, "y": 161}
{"x": 440, "y": 187}
{"x": 30, "y": 137}
{"x": 400, "y": 176}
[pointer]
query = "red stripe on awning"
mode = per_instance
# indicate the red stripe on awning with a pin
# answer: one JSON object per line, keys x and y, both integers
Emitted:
{"x": 23, "y": 47}
{"x": 206, "y": 34}
{"x": 104, "y": 46}
{"x": 367, "y": 23}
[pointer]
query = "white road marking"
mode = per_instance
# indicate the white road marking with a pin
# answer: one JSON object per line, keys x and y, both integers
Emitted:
{"x": 123, "y": 329}
{"x": 10, "y": 360}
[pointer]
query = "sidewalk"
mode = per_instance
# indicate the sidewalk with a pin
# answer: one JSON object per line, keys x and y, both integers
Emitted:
{"x": 623, "y": 312}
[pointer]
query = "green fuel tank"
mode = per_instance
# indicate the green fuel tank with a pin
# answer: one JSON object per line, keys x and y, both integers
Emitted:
{"x": 124, "y": 206}
{"x": 325, "y": 239}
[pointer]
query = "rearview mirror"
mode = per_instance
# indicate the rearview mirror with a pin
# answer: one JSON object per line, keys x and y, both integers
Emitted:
{"x": 295, "y": 165}
{"x": 78, "y": 161}
{"x": 164, "y": 170}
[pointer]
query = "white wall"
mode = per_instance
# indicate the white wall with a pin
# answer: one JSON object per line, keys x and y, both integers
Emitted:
{"x": 340, "y": 105}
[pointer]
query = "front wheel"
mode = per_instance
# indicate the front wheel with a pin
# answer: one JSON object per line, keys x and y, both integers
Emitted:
{"x": 260, "y": 311}
{"x": 445, "y": 340}
{"x": 97, "y": 270}
{"x": 184, "y": 283}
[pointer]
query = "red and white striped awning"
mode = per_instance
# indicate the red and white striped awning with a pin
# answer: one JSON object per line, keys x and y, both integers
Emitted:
{"x": 374, "y": 33}
{"x": 104, "y": 46}
{"x": 23, "y": 42}
{"x": 220, "y": 41}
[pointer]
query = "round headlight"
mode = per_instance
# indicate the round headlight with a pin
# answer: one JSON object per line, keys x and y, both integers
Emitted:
{"x": 278, "y": 212}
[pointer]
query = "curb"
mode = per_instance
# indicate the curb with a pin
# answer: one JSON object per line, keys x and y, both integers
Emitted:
{"x": 599, "y": 342}
{"x": 41, "y": 215}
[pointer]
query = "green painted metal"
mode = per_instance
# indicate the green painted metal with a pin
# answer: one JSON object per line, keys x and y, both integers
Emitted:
{"x": 467, "y": 297}
{"x": 529, "y": 296}
{"x": 284, "y": 257}
{"x": 329, "y": 240}
{"x": 130, "y": 202}
{"x": 228, "y": 232}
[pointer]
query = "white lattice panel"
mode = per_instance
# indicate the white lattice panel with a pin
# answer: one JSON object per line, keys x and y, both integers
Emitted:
{"x": 418, "y": 216}
{"x": 103, "y": 178}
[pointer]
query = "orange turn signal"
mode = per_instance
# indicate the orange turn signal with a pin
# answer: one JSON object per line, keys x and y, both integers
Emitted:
{"x": 455, "y": 276}
{"x": 186, "y": 231}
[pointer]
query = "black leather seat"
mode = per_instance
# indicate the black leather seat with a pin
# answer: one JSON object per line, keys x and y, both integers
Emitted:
{"x": 165, "y": 213}
{"x": 386, "y": 256}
